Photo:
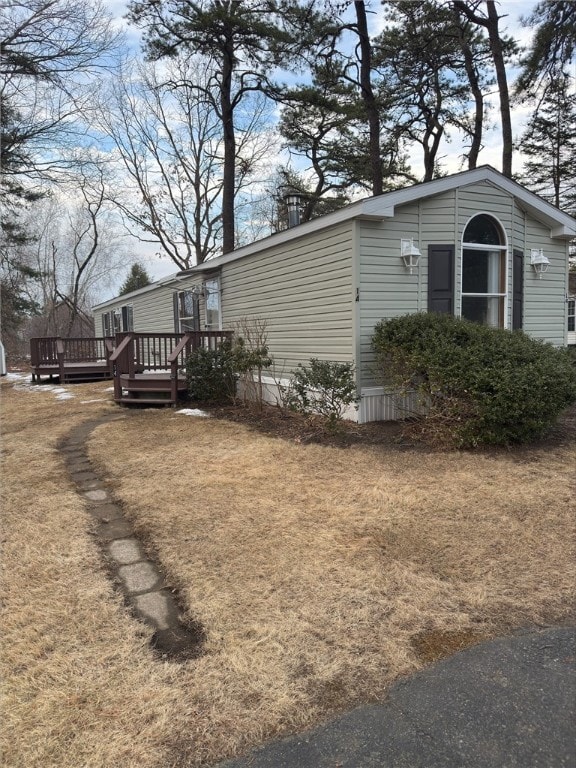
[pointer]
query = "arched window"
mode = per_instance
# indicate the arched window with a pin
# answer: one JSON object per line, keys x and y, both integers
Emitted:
{"x": 484, "y": 272}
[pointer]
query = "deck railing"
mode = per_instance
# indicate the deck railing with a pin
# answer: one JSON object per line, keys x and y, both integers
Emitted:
{"x": 137, "y": 353}
{"x": 86, "y": 350}
{"x": 55, "y": 352}
{"x": 43, "y": 351}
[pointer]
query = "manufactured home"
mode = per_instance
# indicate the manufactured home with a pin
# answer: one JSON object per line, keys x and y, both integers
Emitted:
{"x": 475, "y": 244}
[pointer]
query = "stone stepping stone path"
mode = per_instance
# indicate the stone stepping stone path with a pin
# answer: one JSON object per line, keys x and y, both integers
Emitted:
{"x": 135, "y": 573}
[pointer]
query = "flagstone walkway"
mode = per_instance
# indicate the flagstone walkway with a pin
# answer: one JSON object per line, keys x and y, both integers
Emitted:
{"x": 138, "y": 576}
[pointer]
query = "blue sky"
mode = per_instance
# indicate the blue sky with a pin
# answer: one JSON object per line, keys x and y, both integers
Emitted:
{"x": 513, "y": 10}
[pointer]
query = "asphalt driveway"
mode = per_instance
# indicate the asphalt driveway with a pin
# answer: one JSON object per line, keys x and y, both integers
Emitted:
{"x": 507, "y": 703}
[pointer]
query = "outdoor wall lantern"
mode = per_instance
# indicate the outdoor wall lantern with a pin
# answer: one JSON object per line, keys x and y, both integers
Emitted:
{"x": 540, "y": 263}
{"x": 410, "y": 253}
{"x": 199, "y": 290}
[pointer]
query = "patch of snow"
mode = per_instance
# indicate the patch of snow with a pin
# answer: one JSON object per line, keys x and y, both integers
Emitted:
{"x": 154, "y": 372}
{"x": 193, "y": 412}
{"x": 23, "y": 383}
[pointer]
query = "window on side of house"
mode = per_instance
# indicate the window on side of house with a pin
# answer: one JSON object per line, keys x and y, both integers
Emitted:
{"x": 111, "y": 324}
{"x": 118, "y": 320}
{"x": 484, "y": 272}
{"x": 212, "y": 293}
{"x": 188, "y": 312}
{"x": 571, "y": 315}
{"x": 106, "y": 324}
{"x": 127, "y": 317}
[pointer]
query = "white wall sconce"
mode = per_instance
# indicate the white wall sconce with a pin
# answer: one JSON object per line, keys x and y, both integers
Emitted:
{"x": 540, "y": 263}
{"x": 410, "y": 253}
{"x": 199, "y": 290}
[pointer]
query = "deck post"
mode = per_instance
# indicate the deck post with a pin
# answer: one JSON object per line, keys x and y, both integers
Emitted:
{"x": 121, "y": 363}
{"x": 60, "y": 355}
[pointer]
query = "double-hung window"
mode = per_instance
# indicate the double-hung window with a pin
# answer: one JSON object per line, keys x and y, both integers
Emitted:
{"x": 188, "y": 312}
{"x": 484, "y": 272}
{"x": 212, "y": 293}
{"x": 118, "y": 320}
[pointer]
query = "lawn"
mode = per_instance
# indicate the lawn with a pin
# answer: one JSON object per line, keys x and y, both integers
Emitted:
{"x": 319, "y": 573}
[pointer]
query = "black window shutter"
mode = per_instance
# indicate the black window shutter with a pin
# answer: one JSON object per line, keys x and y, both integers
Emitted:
{"x": 517, "y": 289}
{"x": 176, "y": 308}
{"x": 441, "y": 279}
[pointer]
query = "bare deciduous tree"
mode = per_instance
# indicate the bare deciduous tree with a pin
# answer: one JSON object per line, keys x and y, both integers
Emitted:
{"x": 77, "y": 251}
{"x": 167, "y": 135}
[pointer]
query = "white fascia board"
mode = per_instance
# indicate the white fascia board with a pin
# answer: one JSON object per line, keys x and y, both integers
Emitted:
{"x": 353, "y": 211}
{"x": 561, "y": 224}
{"x": 382, "y": 207}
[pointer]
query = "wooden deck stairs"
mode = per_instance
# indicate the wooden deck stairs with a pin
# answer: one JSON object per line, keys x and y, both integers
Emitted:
{"x": 149, "y": 368}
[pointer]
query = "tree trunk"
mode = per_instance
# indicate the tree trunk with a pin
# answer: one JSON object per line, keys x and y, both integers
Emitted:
{"x": 490, "y": 22}
{"x": 476, "y": 136}
{"x": 368, "y": 98}
{"x": 500, "y": 67}
{"x": 229, "y": 139}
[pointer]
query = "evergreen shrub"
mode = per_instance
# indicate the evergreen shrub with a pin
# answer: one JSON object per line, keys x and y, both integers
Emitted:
{"x": 213, "y": 374}
{"x": 210, "y": 373}
{"x": 323, "y": 387}
{"x": 480, "y": 385}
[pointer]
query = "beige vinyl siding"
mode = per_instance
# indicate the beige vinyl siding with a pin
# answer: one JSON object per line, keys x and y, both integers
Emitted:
{"x": 386, "y": 288}
{"x": 153, "y": 311}
{"x": 303, "y": 290}
{"x": 97, "y": 315}
{"x": 152, "y": 308}
{"x": 545, "y": 306}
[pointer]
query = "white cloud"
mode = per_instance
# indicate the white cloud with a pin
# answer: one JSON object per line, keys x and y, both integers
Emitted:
{"x": 511, "y": 12}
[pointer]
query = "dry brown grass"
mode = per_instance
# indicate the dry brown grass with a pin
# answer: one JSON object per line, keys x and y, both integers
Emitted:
{"x": 320, "y": 575}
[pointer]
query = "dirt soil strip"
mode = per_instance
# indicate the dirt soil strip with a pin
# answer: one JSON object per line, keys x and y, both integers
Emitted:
{"x": 133, "y": 571}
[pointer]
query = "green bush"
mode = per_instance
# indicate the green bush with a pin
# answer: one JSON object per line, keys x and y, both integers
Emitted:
{"x": 210, "y": 373}
{"x": 213, "y": 373}
{"x": 323, "y": 387}
{"x": 480, "y": 385}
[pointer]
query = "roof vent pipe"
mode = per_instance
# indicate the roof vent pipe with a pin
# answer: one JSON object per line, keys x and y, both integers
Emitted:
{"x": 293, "y": 201}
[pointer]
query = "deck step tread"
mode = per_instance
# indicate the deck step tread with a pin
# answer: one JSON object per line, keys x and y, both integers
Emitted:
{"x": 149, "y": 389}
{"x": 145, "y": 401}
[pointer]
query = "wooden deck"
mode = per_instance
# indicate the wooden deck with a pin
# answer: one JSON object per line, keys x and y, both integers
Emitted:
{"x": 71, "y": 360}
{"x": 149, "y": 368}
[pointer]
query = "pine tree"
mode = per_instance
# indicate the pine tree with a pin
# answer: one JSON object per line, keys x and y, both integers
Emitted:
{"x": 244, "y": 41}
{"x": 137, "y": 278}
{"x": 550, "y": 145}
{"x": 553, "y": 46}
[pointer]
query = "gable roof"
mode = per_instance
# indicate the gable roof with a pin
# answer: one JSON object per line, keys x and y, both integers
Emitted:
{"x": 383, "y": 206}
